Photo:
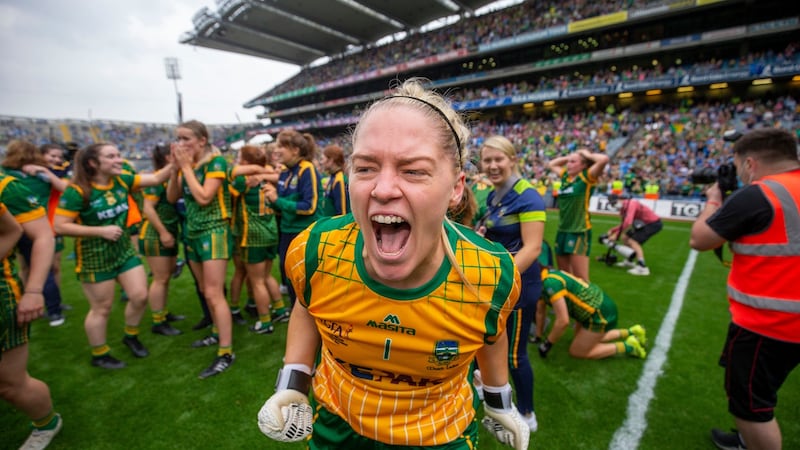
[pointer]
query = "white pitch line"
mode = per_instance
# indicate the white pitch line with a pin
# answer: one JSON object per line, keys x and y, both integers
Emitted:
{"x": 627, "y": 437}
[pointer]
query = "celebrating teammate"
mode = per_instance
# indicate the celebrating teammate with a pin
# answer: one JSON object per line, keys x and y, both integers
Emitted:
{"x": 579, "y": 172}
{"x": 203, "y": 183}
{"x": 595, "y": 313}
{"x": 94, "y": 209}
{"x": 396, "y": 300}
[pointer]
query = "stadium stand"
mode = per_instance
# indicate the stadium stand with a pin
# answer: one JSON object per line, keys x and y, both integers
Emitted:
{"x": 652, "y": 83}
{"x": 134, "y": 139}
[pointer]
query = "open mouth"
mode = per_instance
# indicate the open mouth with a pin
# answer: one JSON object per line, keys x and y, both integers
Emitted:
{"x": 391, "y": 233}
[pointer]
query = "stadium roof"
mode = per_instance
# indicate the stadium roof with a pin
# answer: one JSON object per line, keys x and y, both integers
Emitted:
{"x": 301, "y": 31}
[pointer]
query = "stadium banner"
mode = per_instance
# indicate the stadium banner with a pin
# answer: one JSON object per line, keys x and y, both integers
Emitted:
{"x": 524, "y": 38}
{"x": 607, "y": 53}
{"x": 636, "y": 13}
{"x": 784, "y": 69}
{"x": 682, "y": 40}
{"x": 713, "y": 77}
{"x": 597, "y": 22}
{"x": 680, "y": 4}
{"x": 587, "y": 91}
{"x": 644, "y": 47}
{"x": 644, "y": 85}
{"x": 773, "y": 25}
{"x": 723, "y": 34}
{"x": 687, "y": 209}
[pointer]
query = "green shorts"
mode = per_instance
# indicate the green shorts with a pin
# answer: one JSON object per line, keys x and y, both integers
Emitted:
{"x": 99, "y": 276}
{"x": 255, "y": 255}
{"x": 574, "y": 243}
{"x": 215, "y": 244}
{"x": 59, "y": 244}
{"x": 604, "y": 319}
{"x": 12, "y": 334}
{"x": 331, "y": 431}
{"x": 134, "y": 229}
{"x": 153, "y": 247}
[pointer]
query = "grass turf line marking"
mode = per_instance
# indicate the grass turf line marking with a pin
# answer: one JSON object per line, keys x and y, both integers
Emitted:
{"x": 630, "y": 433}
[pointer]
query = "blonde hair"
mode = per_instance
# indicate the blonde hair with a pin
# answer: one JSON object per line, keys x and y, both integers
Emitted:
{"x": 502, "y": 144}
{"x": 452, "y": 131}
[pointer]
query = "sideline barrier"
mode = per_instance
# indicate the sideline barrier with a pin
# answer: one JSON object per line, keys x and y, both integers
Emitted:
{"x": 687, "y": 210}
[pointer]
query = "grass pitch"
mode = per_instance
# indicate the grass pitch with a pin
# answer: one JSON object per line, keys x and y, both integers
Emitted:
{"x": 158, "y": 402}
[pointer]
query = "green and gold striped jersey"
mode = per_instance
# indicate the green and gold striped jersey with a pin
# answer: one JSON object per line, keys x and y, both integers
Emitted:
{"x": 394, "y": 362}
{"x": 24, "y": 206}
{"x": 254, "y": 223}
{"x": 583, "y": 298}
{"x": 573, "y": 202}
{"x": 165, "y": 211}
{"x": 215, "y": 215}
{"x": 108, "y": 205}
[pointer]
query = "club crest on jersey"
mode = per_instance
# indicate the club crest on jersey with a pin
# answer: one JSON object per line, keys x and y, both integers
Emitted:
{"x": 444, "y": 352}
{"x": 392, "y": 323}
{"x": 110, "y": 199}
{"x": 338, "y": 332}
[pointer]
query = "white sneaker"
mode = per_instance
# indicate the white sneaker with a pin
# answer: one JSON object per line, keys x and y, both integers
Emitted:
{"x": 40, "y": 439}
{"x": 531, "y": 421}
{"x": 477, "y": 381}
{"x": 639, "y": 270}
{"x": 625, "y": 263}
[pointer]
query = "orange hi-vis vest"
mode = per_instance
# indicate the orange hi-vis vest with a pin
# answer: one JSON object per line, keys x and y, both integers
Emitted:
{"x": 762, "y": 285}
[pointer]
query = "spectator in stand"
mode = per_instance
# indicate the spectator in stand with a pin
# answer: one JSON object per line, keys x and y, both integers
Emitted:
{"x": 579, "y": 172}
{"x": 93, "y": 209}
{"x": 639, "y": 223}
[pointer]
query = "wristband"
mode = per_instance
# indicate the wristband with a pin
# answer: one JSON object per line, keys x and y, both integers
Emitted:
{"x": 498, "y": 397}
{"x": 294, "y": 376}
{"x": 717, "y": 204}
{"x": 33, "y": 291}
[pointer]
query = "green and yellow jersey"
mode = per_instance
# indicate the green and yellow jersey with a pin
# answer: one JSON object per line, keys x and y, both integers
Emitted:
{"x": 254, "y": 223}
{"x": 108, "y": 205}
{"x": 573, "y": 202}
{"x": 394, "y": 362}
{"x": 199, "y": 218}
{"x": 583, "y": 298}
{"x": 165, "y": 211}
{"x": 24, "y": 206}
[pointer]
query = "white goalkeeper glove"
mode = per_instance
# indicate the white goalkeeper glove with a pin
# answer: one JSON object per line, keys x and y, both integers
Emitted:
{"x": 502, "y": 419}
{"x": 287, "y": 415}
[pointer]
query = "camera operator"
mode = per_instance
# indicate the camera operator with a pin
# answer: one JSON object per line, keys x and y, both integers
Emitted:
{"x": 640, "y": 223}
{"x": 762, "y": 223}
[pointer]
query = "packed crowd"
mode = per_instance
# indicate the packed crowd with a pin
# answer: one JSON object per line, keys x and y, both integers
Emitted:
{"x": 754, "y": 61}
{"x": 465, "y": 33}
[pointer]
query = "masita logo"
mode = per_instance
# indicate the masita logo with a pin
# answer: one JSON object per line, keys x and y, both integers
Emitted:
{"x": 392, "y": 323}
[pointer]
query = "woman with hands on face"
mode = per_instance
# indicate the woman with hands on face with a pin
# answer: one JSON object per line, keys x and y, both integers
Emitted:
{"x": 202, "y": 181}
